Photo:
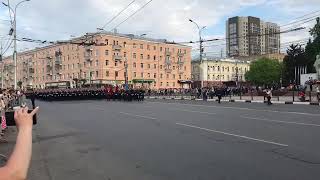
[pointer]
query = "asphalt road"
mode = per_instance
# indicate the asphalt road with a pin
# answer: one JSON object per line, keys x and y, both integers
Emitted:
{"x": 176, "y": 140}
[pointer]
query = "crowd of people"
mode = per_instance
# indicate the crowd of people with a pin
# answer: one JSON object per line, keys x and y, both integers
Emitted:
{"x": 9, "y": 98}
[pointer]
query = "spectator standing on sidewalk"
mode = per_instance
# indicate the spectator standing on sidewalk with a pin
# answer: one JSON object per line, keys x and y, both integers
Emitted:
{"x": 318, "y": 92}
{"x": 3, "y": 120}
{"x": 269, "y": 96}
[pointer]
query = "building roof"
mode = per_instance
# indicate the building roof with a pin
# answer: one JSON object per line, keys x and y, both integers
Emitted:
{"x": 130, "y": 36}
{"x": 231, "y": 60}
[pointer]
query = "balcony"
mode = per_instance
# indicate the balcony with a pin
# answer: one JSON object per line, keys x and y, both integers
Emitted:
{"x": 89, "y": 48}
{"x": 117, "y": 57}
{"x": 116, "y": 48}
{"x": 49, "y": 63}
{"x": 31, "y": 70}
{"x": 58, "y": 63}
{"x": 167, "y": 69}
{"x": 180, "y": 62}
{"x": 167, "y": 53}
{"x": 180, "y": 54}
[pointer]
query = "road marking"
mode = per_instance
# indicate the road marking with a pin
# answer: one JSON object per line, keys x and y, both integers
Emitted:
{"x": 235, "y": 135}
{"x": 277, "y": 121}
{"x": 201, "y": 112}
{"x": 239, "y": 108}
{"x": 135, "y": 115}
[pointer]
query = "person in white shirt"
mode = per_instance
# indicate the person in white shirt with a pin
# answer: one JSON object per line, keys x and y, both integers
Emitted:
{"x": 269, "y": 96}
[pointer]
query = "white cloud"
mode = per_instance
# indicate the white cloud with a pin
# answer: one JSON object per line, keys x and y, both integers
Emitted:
{"x": 59, "y": 19}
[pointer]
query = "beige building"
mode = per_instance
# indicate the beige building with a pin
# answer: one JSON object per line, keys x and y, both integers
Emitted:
{"x": 215, "y": 72}
{"x": 155, "y": 64}
{"x": 250, "y": 36}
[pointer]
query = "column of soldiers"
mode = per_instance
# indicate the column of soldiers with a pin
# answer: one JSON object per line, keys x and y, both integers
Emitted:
{"x": 87, "y": 94}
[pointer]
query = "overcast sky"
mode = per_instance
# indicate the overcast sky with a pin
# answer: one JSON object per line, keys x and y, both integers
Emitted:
{"x": 61, "y": 19}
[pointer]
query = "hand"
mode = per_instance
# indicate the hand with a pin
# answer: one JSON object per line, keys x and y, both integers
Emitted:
{"x": 23, "y": 118}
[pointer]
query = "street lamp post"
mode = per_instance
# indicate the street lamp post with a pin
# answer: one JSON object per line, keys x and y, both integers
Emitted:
{"x": 200, "y": 41}
{"x": 15, "y": 38}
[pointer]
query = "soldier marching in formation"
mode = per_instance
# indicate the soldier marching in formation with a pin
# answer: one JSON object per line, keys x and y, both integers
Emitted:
{"x": 108, "y": 93}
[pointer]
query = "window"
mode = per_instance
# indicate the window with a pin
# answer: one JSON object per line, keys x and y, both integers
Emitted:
{"x": 125, "y": 54}
{"x": 97, "y": 52}
{"x": 116, "y": 64}
{"x": 161, "y": 84}
{"x": 148, "y": 47}
{"x": 68, "y": 67}
{"x": 154, "y": 48}
{"x": 116, "y": 73}
{"x": 148, "y": 75}
{"x": 218, "y": 68}
{"x": 160, "y": 58}
{"x": 97, "y": 63}
{"x": 134, "y": 55}
{"x": 141, "y": 46}
{"x": 106, "y": 41}
{"x": 141, "y": 56}
{"x": 167, "y": 76}
{"x": 154, "y": 57}
{"x": 161, "y": 76}
{"x": 141, "y": 65}
{"x": 154, "y": 75}
{"x": 179, "y": 76}
{"x": 97, "y": 74}
{"x": 106, "y": 52}
{"x": 142, "y": 75}
{"x": 173, "y": 84}
{"x": 160, "y": 48}
{"x": 160, "y": 66}
{"x": 174, "y": 67}
{"x": 134, "y": 74}
{"x": 148, "y": 57}
{"x": 173, "y": 76}
{"x": 107, "y": 73}
{"x": 124, "y": 44}
{"x": 185, "y": 68}
{"x": 149, "y": 66}
{"x": 134, "y": 45}
{"x": 154, "y": 66}
{"x": 134, "y": 65}
{"x": 107, "y": 62}
{"x": 167, "y": 84}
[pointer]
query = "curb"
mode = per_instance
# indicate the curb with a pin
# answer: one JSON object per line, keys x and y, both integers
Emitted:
{"x": 243, "y": 101}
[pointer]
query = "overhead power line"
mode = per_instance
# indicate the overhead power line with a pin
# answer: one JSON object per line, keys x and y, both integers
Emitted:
{"x": 118, "y": 14}
{"x": 132, "y": 14}
{"x": 249, "y": 35}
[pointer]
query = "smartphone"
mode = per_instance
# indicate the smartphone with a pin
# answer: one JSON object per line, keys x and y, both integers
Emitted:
{"x": 10, "y": 118}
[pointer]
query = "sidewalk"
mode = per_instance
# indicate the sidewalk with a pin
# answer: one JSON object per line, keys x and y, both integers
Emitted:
{"x": 245, "y": 99}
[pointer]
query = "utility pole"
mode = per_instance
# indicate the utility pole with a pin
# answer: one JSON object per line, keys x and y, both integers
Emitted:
{"x": 201, "y": 42}
{"x": 15, "y": 38}
{"x": 126, "y": 74}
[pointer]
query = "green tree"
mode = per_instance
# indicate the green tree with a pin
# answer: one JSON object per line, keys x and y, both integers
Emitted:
{"x": 264, "y": 72}
{"x": 295, "y": 57}
{"x": 313, "y": 47}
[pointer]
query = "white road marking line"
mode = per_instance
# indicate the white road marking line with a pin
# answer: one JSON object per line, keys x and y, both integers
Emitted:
{"x": 235, "y": 135}
{"x": 135, "y": 115}
{"x": 277, "y": 121}
{"x": 201, "y": 112}
{"x": 239, "y": 108}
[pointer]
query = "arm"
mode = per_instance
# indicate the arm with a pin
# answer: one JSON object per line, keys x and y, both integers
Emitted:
{"x": 18, "y": 164}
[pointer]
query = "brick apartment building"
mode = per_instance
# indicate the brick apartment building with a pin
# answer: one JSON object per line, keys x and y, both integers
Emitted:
{"x": 152, "y": 63}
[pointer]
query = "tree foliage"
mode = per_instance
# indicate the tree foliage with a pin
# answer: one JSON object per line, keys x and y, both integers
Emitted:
{"x": 295, "y": 57}
{"x": 264, "y": 71}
